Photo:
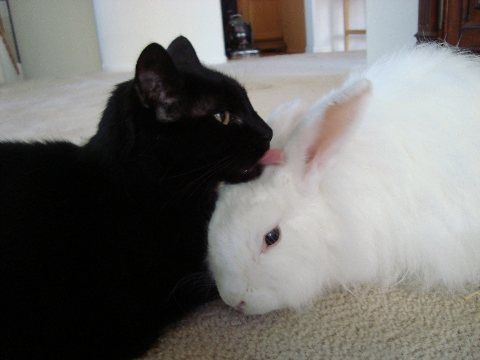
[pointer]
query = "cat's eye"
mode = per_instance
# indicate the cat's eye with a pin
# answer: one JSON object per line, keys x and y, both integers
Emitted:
{"x": 223, "y": 117}
{"x": 226, "y": 118}
{"x": 272, "y": 236}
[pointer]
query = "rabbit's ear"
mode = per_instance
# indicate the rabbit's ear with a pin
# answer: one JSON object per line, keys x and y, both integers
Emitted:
{"x": 284, "y": 119}
{"x": 335, "y": 122}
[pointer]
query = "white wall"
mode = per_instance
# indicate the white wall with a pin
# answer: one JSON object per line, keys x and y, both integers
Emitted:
{"x": 56, "y": 38}
{"x": 325, "y": 26}
{"x": 125, "y": 27}
{"x": 391, "y": 25}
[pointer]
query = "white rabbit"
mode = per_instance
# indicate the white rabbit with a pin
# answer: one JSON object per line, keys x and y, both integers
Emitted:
{"x": 380, "y": 183}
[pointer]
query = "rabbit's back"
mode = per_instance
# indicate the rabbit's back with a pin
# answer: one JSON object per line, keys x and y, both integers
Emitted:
{"x": 407, "y": 181}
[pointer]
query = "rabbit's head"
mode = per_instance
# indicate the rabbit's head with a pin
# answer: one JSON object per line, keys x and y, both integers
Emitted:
{"x": 269, "y": 239}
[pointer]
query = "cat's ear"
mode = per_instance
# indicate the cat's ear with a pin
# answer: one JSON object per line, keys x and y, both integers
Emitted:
{"x": 156, "y": 77}
{"x": 183, "y": 54}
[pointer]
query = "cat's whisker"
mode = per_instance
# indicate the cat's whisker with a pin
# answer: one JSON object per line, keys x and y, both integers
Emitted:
{"x": 199, "y": 168}
{"x": 194, "y": 281}
{"x": 207, "y": 175}
{"x": 203, "y": 180}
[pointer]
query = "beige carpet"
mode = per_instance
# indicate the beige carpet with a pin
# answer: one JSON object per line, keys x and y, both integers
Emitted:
{"x": 401, "y": 323}
{"x": 368, "y": 324}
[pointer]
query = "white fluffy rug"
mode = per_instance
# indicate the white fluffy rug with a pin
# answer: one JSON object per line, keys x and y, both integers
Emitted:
{"x": 70, "y": 108}
{"x": 400, "y": 323}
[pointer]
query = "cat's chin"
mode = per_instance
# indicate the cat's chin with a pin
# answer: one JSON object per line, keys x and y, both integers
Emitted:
{"x": 245, "y": 174}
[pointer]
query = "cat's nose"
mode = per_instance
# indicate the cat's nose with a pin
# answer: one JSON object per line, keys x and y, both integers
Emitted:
{"x": 268, "y": 134}
{"x": 266, "y": 131}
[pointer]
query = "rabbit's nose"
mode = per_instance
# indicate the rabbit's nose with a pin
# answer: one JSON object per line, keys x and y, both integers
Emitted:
{"x": 241, "y": 306}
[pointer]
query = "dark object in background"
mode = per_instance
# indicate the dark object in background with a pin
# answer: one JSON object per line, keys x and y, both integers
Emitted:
{"x": 236, "y": 32}
{"x": 239, "y": 35}
{"x": 229, "y": 7}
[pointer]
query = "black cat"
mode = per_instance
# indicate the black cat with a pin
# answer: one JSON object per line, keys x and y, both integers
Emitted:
{"x": 103, "y": 245}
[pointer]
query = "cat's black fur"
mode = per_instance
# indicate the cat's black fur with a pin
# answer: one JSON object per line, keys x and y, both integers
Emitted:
{"x": 103, "y": 245}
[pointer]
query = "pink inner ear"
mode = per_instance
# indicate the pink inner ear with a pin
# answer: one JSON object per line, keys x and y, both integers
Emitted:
{"x": 272, "y": 157}
{"x": 337, "y": 119}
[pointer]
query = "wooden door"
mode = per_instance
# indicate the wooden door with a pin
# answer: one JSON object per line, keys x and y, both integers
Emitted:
{"x": 265, "y": 16}
{"x": 293, "y": 25}
{"x": 462, "y": 23}
{"x": 276, "y": 24}
{"x": 455, "y": 21}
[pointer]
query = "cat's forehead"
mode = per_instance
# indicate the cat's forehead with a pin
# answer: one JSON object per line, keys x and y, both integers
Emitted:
{"x": 217, "y": 86}
{"x": 206, "y": 104}
{"x": 203, "y": 105}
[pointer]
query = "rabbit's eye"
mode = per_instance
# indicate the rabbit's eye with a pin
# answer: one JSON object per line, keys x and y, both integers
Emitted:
{"x": 272, "y": 237}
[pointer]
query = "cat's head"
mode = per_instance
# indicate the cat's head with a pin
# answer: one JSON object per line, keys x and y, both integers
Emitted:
{"x": 207, "y": 114}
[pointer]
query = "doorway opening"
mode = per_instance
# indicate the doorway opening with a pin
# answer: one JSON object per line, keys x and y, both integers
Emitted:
{"x": 263, "y": 27}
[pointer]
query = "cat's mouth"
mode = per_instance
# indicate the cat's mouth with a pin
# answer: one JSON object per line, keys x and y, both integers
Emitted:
{"x": 256, "y": 169}
{"x": 271, "y": 157}
{"x": 246, "y": 174}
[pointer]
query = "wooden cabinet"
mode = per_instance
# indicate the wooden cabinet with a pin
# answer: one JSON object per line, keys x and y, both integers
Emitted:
{"x": 455, "y": 21}
{"x": 265, "y": 16}
{"x": 277, "y": 25}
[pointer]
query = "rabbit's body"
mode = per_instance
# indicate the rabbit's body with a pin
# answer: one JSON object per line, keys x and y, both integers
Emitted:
{"x": 393, "y": 195}
{"x": 406, "y": 182}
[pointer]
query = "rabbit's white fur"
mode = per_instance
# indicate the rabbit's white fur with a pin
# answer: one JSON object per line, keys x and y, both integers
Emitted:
{"x": 395, "y": 196}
